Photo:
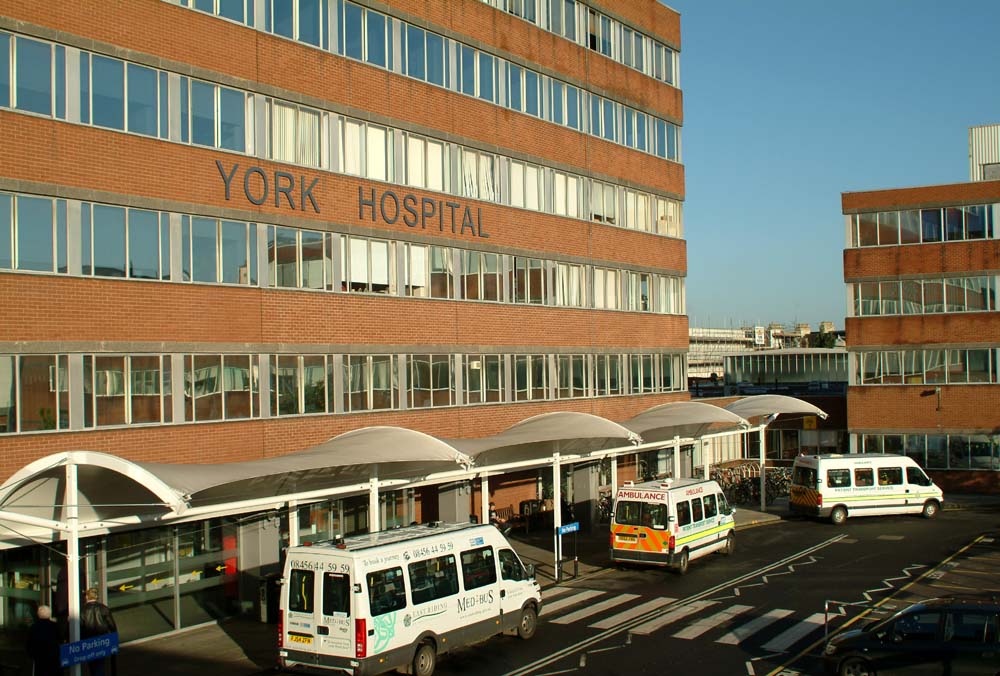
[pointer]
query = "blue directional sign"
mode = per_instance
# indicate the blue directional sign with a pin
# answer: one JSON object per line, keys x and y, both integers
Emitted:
{"x": 569, "y": 528}
{"x": 94, "y": 648}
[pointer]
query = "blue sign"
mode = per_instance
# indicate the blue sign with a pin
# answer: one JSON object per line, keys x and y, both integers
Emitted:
{"x": 569, "y": 528}
{"x": 94, "y": 648}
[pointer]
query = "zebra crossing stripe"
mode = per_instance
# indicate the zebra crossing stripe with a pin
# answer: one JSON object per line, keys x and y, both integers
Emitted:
{"x": 594, "y": 609}
{"x": 784, "y": 640}
{"x": 553, "y": 592}
{"x": 641, "y": 609}
{"x": 744, "y": 631}
{"x": 579, "y": 597}
{"x": 648, "y": 628}
{"x": 699, "y": 627}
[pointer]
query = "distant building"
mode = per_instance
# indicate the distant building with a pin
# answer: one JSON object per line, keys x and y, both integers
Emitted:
{"x": 923, "y": 331}
{"x": 984, "y": 153}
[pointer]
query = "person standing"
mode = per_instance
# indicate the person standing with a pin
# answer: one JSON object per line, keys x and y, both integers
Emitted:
{"x": 43, "y": 644}
{"x": 95, "y": 620}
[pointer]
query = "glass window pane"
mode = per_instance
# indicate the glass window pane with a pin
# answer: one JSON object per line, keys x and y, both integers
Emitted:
{"x": 142, "y": 109}
{"x": 930, "y": 220}
{"x": 314, "y": 383}
{"x": 888, "y": 228}
{"x": 415, "y": 52}
{"x": 4, "y": 70}
{"x": 231, "y": 119}
{"x": 975, "y": 221}
{"x": 309, "y": 22}
{"x": 6, "y": 232}
{"x": 203, "y": 250}
{"x": 377, "y": 166}
{"x": 202, "y": 113}
{"x": 282, "y": 132}
{"x": 232, "y": 9}
{"x": 531, "y": 93}
{"x": 468, "y": 70}
{"x": 282, "y": 18}
{"x": 144, "y": 375}
{"x": 312, "y": 260}
{"x": 282, "y": 254}
{"x": 108, "y": 89}
{"x": 308, "y": 147}
{"x": 513, "y": 87}
{"x": 238, "y": 388}
{"x": 572, "y": 107}
{"x": 33, "y": 76}
{"x": 909, "y": 227}
{"x": 352, "y": 31}
{"x": 435, "y": 166}
{"x": 435, "y": 59}
{"x": 34, "y": 234}
{"x": 234, "y": 253}
{"x": 953, "y": 223}
{"x": 38, "y": 392}
{"x": 485, "y": 77}
{"x": 109, "y": 241}
{"x": 375, "y": 30}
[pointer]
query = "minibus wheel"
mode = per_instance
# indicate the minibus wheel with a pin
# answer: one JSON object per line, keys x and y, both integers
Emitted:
{"x": 425, "y": 660}
{"x": 682, "y": 563}
{"x": 855, "y": 666}
{"x": 930, "y": 509}
{"x": 838, "y": 516}
{"x": 529, "y": 622}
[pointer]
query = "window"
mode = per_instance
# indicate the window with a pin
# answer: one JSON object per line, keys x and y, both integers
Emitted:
{"x": 415, "y": 65}
{"x": 367, "y": 265}
{"x": 300, "y": 591}
{"x": 142, "y": 100}
{"x": 915, "y": 476}
{"x": 838, "y": 478}
{"x": 890, "y": 476}
{"x": 608, "y": 381}
{"x": 478, "y": 568}
{"x": 336, "y": 594}
{"x": 484, "y": 379}
{"x": 970, "y": 627}
{"x": 352, "y": 36}
{"x": 375, "y": 25}
{"x": 697, "y": 514}
{"x": 435, "y": 59}
{"x": 511, "y": 567}
{"x": 430, "y": 381}
{"x": 683, "y": 513}
{"x": 530, "y": 377}
{"x": 804, "y": 476}
{"x": 433, "y": 579}
{"x": 34, "y": 236}
{"x": 5, "y": 41}
{"x": 916, "y": 627}
{"x": 33, "y": 76}
{"x": 385, "y": 591}
{"x": 711, "y": 508}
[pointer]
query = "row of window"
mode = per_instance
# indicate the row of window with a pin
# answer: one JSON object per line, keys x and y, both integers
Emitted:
{"x": 598, "y": 32}
{"x": 385, "y": 42}
{"x": 656, "y": 515}
{"x": 864, "y": 477}
{"x": 939, "y": 451}
{"x": 917, "y": 367}
{"x": 36, "y": 390}
{"x": 118, "y": 95}
{"x": 139, "y": 244}
{"x": 916, "y": 226}
{"x": 925, "y": 296}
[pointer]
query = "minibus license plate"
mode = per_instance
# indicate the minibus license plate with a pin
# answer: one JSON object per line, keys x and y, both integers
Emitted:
{"x": 296, "y": 638}
{"x": 626, "y": 537}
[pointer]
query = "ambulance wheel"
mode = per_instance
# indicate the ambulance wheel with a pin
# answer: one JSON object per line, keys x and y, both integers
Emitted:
{"x": 425, "y": 660}
{"x": 930, "y": 509}
{"x": 682, "y": 563}
{"x": 730, "y": 547}
{"x": 838, "y": 516}
{"x": 529, "y": 622}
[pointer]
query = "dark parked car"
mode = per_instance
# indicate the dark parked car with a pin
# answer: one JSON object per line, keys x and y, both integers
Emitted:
{"x": 956, "y": 637}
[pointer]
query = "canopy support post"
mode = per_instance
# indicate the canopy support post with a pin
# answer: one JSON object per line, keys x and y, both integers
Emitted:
{"x": 706, "y": 456}
{"x": 374, "y": 518}
{"x": 763, "y": 474}
{"x": 484, "y": 497}
{"x": 556, "y": 516}
{"x": 293, "y": 523}
{"x": 614, "y": 474}
{"x": 677, "y": 459}
{"x": 71, "y": 500}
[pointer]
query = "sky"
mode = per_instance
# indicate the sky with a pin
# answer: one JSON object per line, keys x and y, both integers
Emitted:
{"x": 789, "y": 103}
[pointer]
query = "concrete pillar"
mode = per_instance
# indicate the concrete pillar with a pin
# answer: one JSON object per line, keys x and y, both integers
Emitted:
{"x": 293, "y": 523}
{"x": 585, "y": 493}
{"x": 484, "y": 497}
{"x": 556, "y": 513}
{"x": 677, "y": 458}
{"x": 454, "y": 502}
{"x": 374, "y": 514}
{"x": 763, "y": 477}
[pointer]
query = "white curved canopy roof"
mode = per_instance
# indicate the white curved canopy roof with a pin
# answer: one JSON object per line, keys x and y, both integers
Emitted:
{"x": 681, "y": 418}
{"x": 773, "y": 404}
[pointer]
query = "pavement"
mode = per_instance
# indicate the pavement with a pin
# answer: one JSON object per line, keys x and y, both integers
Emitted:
{"x": 243, "y": 646}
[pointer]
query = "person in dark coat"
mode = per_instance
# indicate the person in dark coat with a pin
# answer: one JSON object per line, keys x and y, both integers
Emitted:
{"x": 43, "y": 644}
{"x": 95, "y": 620}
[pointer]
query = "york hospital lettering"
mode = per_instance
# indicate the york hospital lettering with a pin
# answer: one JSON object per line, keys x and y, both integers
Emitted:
{"x": 422, "y": 212}
{"x": 257, "y": 185}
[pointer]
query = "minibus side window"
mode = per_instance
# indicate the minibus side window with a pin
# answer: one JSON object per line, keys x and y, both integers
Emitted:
{"x": 478, "y": 568}
{"x": 710, "y": 509}
{"x": 916, "y": 476}
{"x": 385, "y": 591}
{"x": 683, "y": 513}
{"x": 628, "y": 513}
{"x": 300, "y": 591}
{"x": 696, "y": 508}
{"x": 723, "y": 504}
{"x": 890, "y": 476}
{"x": 864, "y": 477}
{"x": 510, "y": 566}
{"x": 838, "y": 478}
{"x": 336, "y": 594}
{"x": 433, "y": 579}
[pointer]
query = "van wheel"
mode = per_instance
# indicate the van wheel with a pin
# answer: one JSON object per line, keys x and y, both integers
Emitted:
{"x": 529, "y": 622}
{"x": 838, "y": 516}
{"x": 425, "y": 660}
{"x": 855, "y": 666}
{"x": 682, "y": 563}
{"x": 930, "y": 509}
{"x": 730, "y": 547}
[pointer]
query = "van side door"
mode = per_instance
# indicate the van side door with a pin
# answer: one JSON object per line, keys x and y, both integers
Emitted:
{"x": 479, "y": 602}
{"x": 301, "y": 615}
{"x": 515, "y": 588}
{"x": 335, "y": 632}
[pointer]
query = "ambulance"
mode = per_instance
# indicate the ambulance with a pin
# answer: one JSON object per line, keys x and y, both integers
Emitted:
{"x": 397, "y": 599}
{"x": 836, "y": 486}
{"x": 669, "y": 523}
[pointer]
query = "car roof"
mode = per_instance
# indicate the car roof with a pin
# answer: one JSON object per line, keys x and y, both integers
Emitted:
{"x": 959, "y": 602}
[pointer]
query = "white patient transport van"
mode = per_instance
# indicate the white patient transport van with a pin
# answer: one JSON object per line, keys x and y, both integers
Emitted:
{"x": 397, "y": 599}
{"x": 861, "y": 484}
{"x": 669, "y": 523}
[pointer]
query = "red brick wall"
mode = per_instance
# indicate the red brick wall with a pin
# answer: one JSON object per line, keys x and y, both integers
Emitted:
{"x": 972, "y": 257}
{"x": 954, "y": 329}
{"x": 915, "y": 408}
{"x": 980, "y": 192}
